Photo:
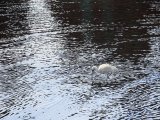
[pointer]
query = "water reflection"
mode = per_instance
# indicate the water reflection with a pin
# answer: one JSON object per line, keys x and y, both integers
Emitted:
{"x": 17, "y": 58}
{"x": 106, "y": 22}
{"x": 47, "y": 48}
{"x": 13, "y": 19}
{"x": 39, "y": 17}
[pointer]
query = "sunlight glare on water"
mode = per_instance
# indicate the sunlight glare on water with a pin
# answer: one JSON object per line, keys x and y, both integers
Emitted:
{"x": 47, "y": 50}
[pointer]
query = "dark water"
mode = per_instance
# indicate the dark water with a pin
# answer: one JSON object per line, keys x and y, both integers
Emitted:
{"x": 47, "y": 49}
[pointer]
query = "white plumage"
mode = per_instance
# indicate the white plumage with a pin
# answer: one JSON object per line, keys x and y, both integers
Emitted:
{"x": 105, "y": 69}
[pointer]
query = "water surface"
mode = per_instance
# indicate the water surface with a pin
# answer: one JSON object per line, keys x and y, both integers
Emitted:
{"x": 47, "y": 49}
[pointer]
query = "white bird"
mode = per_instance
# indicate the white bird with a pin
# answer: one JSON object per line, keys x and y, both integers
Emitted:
{"x": 105, "y": 69}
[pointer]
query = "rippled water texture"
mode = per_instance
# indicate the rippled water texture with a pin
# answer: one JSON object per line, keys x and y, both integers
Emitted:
{"x": 47, "y": 49}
